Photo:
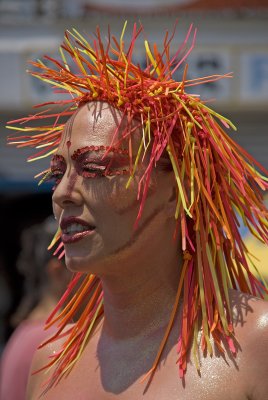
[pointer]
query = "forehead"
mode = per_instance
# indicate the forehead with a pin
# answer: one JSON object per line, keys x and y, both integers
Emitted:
{"x": 95, "y": 123}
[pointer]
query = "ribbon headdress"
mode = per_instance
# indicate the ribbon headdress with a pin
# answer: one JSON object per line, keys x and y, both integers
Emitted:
{"x": 216, "y": 181}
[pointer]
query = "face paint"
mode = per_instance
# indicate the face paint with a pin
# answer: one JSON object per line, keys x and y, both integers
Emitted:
{"x": 71, "y": 183}
{"x": 108, "y": 162}
{"x": 109, "y": 149}
{"x": 57, "y": 170}
{"x": 99, "y": 201}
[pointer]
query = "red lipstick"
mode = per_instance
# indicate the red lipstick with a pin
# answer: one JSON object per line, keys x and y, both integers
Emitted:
{"x": 74, "y": 229}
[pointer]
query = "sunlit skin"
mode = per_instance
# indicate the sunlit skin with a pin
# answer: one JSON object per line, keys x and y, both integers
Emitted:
{"x": 104, "y": 201}
{"x": 139, "y": 269}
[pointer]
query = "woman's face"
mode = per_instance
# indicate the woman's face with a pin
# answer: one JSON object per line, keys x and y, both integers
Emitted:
{"x": 94, "y": 209}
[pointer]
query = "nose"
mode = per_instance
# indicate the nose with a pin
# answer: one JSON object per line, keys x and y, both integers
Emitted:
{"x": 67, "y": 192}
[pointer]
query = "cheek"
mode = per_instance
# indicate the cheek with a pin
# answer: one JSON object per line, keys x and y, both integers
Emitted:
{"x": 108, "y": 196}
{"x": 121, "y": 199}
{"x": 124, "y": 200}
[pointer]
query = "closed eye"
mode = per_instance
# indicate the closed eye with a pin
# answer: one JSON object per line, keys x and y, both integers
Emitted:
{"x": 93, "y": 170}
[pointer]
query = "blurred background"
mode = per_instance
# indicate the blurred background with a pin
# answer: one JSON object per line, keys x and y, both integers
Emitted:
{"x": 232, "y": 37}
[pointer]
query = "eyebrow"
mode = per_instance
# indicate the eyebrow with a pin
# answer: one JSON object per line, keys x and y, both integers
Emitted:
{"x": 86, "y": 149}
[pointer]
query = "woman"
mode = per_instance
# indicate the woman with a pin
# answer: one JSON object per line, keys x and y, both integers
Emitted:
{"x": 136, "y": 150}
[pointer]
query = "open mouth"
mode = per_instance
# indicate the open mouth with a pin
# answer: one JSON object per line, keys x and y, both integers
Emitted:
{"x": 73, "y": 231}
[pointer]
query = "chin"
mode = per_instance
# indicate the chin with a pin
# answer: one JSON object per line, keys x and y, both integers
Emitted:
{"x": 99, "y": 259}
{"x": 79, "y": 264}
{"x": 89, "y": 264}
{"x": 83, "y": 257}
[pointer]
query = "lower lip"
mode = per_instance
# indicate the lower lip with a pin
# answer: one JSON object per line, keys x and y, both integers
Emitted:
{"x": 75, "y": 237}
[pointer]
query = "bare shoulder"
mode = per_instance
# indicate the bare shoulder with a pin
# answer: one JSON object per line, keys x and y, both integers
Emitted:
{"x": 248, "y": 309}
{"x": 41, "y": 358}
{"x": 251, "y": 329}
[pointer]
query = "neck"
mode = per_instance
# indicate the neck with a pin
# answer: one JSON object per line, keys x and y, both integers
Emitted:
{"x": 140, "y": 301}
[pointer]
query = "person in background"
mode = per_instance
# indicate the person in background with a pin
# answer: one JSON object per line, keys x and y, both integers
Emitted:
{"x": 45, "y": 280}
{"x": 5, "y": 302}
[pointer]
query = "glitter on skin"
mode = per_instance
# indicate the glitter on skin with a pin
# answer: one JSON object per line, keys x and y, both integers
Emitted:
{"x": 262, "y": 321}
